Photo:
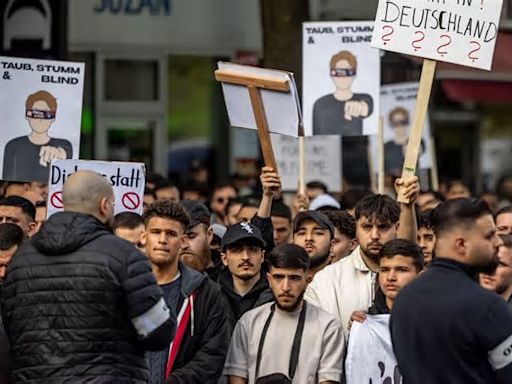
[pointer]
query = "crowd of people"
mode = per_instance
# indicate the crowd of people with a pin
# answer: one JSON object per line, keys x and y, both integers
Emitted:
{"x": 264, "y": 288}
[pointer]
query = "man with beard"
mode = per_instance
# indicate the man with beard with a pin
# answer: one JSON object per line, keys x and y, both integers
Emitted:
{"x": 314, "y": 232}
{"x": 349, "y": 285}
{"x": 289, "y": 340}
{"x": 80, "y": 304}
{"x": 204, "y": 322}
{"x": 242, "y": 281}
{"x": 445, "y": 327}
{"x": 501, "y": 280}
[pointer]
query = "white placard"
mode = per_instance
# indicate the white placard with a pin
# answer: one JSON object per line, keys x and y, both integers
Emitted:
{"x": 323, "y": 161}
{"x": 282, "y": 109}
{"x": 456, "y": 31}
{"x": 127, "y": 179}
{"x": 40, "y": 114}
{"x": 397, "y": 105}
{"x": 341, "y": 77}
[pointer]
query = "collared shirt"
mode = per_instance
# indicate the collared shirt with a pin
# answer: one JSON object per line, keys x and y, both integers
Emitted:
{"x": 343, "y": 287}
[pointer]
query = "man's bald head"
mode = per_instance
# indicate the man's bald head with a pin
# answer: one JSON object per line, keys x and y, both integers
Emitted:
{"x": 90, "y": 193}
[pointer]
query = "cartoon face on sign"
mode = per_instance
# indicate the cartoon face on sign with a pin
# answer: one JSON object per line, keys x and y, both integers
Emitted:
{"x": 26, "y": 158}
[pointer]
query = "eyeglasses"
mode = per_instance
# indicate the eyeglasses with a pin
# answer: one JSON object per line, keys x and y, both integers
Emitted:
{"x": 38, "y": 114}
{"x": 340, "y": 72}
{"x": 400, "y": 123}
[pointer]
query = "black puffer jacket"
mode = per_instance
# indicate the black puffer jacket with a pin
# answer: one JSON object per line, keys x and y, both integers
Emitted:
{"x": 68, "y": 301}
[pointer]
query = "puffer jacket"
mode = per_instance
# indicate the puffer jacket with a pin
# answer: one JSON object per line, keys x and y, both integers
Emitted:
{"x": 79, "y": 306}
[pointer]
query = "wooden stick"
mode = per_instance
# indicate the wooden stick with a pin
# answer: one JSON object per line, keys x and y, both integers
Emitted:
{"x": 302, "y": 165}
{"x": 371, "y": 168}
{"x": 381, "y": 174}
{"x": 413, "y": 147}
{"x": 258, "y": 81}
{"x": 261, "y": 123}
{"x": 433, "y": 171}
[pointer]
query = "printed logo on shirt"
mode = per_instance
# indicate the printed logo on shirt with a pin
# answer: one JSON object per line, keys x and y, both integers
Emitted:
{"x": 501, "y": 356}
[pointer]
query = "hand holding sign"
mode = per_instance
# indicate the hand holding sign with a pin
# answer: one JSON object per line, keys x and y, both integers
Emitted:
{"x": 270, "y": 181}
{"x": 49, "y": 153}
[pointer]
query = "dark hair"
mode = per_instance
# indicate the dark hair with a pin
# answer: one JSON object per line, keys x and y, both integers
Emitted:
{"x": 40, "y": 203}
{"x": 457, "y": 212}
{"x": 222, "y": 185}
{"x": 10, "y": 235}
{"x": 344, "y": 222}
{"x": 167, "y": 209}
{"x": 17, "y": 201}
{"x": 288, "y": 256}
{"x": 162, "y": 184}
{"x": 280, "y": 209}
{"x": 405, "y": 248}
{"x": 506, "y": 209}
{"x": 424, "y": 219}
{"x": 507, "y": 240}
{"x": 501, "y": 191}
{"x": 380, "y": 207}
{"x": 352, "y": 196}
{"x": 317, "y": 185}
{"x": 250, "y": 201}
{"x": 130, "y": 220}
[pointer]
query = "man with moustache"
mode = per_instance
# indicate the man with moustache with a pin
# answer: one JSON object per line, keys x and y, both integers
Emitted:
{"x": 445, "y": 327}
{"x": 289, "y": 340}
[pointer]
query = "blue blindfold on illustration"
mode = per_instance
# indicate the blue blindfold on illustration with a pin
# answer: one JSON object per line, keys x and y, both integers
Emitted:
{"x": 38, "y": 114}
{"x": 341, "y": 72}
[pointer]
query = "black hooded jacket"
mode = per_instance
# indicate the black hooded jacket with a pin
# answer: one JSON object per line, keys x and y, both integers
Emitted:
{"x": 71, "y": 301}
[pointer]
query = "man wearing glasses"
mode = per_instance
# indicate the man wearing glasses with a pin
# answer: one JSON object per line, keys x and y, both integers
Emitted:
{"x": 343, "y": 111}
{"x": 28, "y": 157}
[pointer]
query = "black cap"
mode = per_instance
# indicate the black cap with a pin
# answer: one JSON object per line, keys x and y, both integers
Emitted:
{"x": 197, "y": 211}
{"x": 242, "y": 231}
{"x": 317, "y": 217}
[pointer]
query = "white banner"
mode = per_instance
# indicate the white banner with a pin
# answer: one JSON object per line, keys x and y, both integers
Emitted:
{"x": 322, "y": 161}
{"x": 370, "y": 357}
{"x": 127, "y": 179}
{"x": 40, "y": 115}
{"x": 341, "y": 79}
{"x": 457, "y": 31}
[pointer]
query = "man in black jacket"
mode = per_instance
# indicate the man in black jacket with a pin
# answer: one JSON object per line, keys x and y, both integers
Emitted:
{"x": 81, "y": 305}
{"x": 204, "y": 322}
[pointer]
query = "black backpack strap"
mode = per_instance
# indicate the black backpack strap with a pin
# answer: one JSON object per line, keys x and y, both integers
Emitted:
{"x": 262, "y": 339}
{"x": 294, "y": 356}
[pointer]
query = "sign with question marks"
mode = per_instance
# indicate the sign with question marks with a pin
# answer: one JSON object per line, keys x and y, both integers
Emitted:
{"x": 462, "y": 32}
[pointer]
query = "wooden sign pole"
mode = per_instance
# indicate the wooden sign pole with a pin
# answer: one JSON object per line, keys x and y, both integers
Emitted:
{"x": 254, "y": 83}
{"x": 413, "y": 147}
{"x": 381, "y": 170}
{"x": 302, "y": 165}
{"x": 433, "y": 171}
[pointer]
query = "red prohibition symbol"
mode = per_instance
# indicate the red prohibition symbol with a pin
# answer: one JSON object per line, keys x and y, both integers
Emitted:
{"x": 130, "y": 200}
{"x": 56, "y": 200}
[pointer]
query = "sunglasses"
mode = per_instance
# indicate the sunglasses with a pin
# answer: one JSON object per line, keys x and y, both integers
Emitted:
{"x": 38, "y": 114}
{"x": 340, "y": 72}
{"x": 400, "y": 123}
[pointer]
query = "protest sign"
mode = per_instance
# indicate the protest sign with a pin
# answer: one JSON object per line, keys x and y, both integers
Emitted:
{"x": 40, "y": 111}
{"x": 456, "y": 31}
{"x": 341, "y": 79}
{"x": 397, "y": 104}
{"x": 127, "y": 179}
{"x": 322, "y": 161}
{"x": 370, "y": 357}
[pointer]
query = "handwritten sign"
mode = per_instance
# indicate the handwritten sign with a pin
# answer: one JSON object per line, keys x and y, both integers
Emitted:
{"x": 323, "y": 161}
{"x": 456, "y": 31}
{"x": 127, "y": 180}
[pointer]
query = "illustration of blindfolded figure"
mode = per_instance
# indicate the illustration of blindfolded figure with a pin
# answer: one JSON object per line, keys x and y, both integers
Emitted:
{"x": 26, "y": 158}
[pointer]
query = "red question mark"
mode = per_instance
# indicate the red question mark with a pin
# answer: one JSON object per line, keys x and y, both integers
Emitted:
{"x": 385, "y": 36}
{"x": 471, "y": 54}
{"x": 415, "y": 43}
{"x": 444, "y": 52}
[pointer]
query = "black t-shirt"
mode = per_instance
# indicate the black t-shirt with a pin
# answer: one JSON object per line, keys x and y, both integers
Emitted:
{"x": 393, "y": 158}
{"x": 21, "y": 159}
{"x": 447, "y": 329}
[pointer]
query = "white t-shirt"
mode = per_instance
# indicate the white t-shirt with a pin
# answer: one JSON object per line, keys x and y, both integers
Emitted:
{"x": 321, "y": 350}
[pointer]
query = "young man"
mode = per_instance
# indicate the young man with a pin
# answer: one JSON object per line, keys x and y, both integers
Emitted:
{"x": 345, "y": 240}
{"x": 504, "y": 220}
{"x": 426, "y": 237}
{"x": 166, "y": 190}
{"x": 400, "y": 262}
{"x": 314, "y": 232}
{"x": 289, "y": 339}
{"x": 11, "y": 237}
{"x": 460, "y": 332}
{"x": 19, "y": 211}
{"x": 501, "y": 280}
{"x": 281, "y": 216}
{"x": 349, "y": 285}
{"x": 204, "y": 324}
{"x": 243, "y": 281}
{"x": 222, "y": 192}
{"x": 130, "y": 226}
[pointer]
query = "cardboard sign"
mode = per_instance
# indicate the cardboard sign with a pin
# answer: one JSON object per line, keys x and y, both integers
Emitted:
{"x": 323, "y": 161}
{"x": 40, "y": 115}
{"x": 456, "y": 31}
{"x": 282, "y": 109}
{"x": 341, "y": 77}
{"x": 127, "y": 179}
{"x": 397, "y": 104}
